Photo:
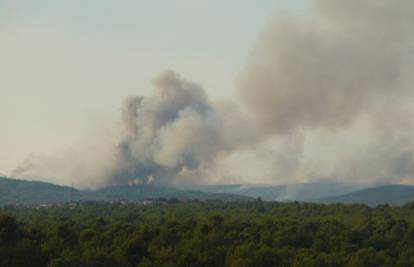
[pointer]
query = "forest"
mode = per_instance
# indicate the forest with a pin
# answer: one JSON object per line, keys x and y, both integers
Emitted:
{"x": 207, "y": 233}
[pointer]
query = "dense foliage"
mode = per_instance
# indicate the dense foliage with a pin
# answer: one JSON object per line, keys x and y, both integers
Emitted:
{"x": 210, "y": 233}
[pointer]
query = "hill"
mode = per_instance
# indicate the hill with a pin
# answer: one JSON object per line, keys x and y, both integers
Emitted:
{"x": 388, "y": 194}
{"x": 30, "y": 192}
{"x": 306, "y": 192}
{"x": 19, "y": 192}
{"x": 144, "y": 191}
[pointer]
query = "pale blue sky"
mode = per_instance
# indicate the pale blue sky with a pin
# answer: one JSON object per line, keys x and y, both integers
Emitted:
{"x": 66, "y": 63}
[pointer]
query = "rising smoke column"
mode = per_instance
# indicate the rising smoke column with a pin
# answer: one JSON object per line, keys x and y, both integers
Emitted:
{"x": 173, "y": 130}
{"x": 320, "y": 77}
{"x": 176, "y": 134}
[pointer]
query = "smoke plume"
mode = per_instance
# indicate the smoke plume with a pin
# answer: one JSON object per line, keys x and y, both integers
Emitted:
{"x": 175, "y": 130}
{"x": 336, "y": 84}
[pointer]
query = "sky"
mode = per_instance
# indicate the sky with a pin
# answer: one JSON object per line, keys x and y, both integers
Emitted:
{"x": 98, "y": 93}
{"x": 68, "y": 64}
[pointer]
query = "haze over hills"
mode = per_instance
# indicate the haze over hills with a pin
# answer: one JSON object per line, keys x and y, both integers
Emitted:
{"x": 16, "y": 192}
{"x": 19, "y": 192}
{"x": 307, "y": 192}
{"x": 387, "y": 194}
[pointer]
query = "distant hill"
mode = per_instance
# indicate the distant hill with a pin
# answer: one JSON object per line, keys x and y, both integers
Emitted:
{"x": 18, "y": 192}
{"x": 143, "y": 191}
{"x": 27, "y": 192}
{"x": 306, "y": 192}
{"x": 387, "y": 194}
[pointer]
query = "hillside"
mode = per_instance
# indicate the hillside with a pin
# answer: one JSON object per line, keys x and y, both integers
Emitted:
{"x": 388, "y": 194}
{"x": 30, "y": 192}
{"x": 18, "y": 192}
{"x": 306, "y": 192}
{"x": 140, "y": 192}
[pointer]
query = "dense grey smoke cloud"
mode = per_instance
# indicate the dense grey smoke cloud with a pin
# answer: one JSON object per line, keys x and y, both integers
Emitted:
{"x": 176, "y": 134}
{"x": 353, "y": 61}
{"x": 176, "y": 129}
{"x": 330, "y": 76}
{"x": 389, "y": 157}
{"x": 324, "y": 73}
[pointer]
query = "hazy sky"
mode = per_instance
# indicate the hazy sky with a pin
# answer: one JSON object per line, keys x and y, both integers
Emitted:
{"x": 65, "y": 64}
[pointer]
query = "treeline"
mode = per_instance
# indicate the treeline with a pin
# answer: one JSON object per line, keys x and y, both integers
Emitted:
{"x": 208, "y": 233}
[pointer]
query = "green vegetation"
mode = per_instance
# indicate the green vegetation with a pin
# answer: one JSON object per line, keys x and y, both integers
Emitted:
{"x": 210, "y": 233}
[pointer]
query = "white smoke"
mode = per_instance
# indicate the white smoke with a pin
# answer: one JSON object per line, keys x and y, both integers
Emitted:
{"x": 175, "y": 129}
{"x": 326, "y": 96}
